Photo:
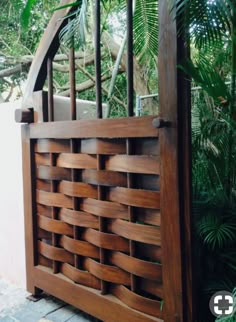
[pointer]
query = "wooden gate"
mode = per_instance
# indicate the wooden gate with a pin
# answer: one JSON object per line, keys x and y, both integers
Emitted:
{"x": 107, "y": 200}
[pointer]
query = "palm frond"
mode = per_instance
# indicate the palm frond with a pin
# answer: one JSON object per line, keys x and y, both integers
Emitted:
{"x": 75, "y": 29}
{"x": 208, "y": 21}
{"x": 146, "y": 28}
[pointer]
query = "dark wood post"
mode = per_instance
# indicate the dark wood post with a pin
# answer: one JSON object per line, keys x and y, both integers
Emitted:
{"x": 174, "y": 98}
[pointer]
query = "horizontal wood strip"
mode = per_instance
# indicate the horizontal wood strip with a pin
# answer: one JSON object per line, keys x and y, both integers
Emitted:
{"x": 104, "y": 178}
{"x": 149, "y": 216}
{"x": 100, "y": 128}
{"x": 146, "y": 146}
{"x": 80, "y": 277}
{"x": 78, "y": 218}
{"x": 105, "y": 240}
{"x": 149, "y": 252}
{"x": 77, "y": 189}
{"x": 103, "y": 146}
{"x": 137, "y": 266}
{"x": 43, "y": 210}
{"x": 136, "y": 301}
{"x": 76, "y": 161}
{"x": 44, "y": 261}
{"x": 53, "y": 199}
{"x": 52, "y": 146}
{"x": 52, "y": 173}
{"x": 55, "y": 253}
{"x": 106, "y": 272}
{"x": 79, "y": 247}
{"x": 151, "y": 287}
{"x": 133, "y": 164}
{"x": 42, "y": 159}
{"x": 43, "y": 185}
{"x": 54, "y": 226}
{"x": 135, "y": 197}
{"x": 43, "y": 234}
{"x": 104, "y": 208}
{"x": 142, "y": 233}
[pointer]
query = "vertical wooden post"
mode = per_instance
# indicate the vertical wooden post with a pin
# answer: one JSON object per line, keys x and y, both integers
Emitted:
{"x": 29, "y": 210}
{"x": 175, "y": 169}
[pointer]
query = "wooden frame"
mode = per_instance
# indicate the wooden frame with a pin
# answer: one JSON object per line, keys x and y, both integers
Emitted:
{"x": 175, "y": 165}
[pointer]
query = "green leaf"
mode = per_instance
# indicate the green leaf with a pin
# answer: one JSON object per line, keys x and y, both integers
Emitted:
{"x": 25, "y": 16}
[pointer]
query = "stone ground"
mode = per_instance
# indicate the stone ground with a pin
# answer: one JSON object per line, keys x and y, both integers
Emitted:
{"x": 14, "y": 307}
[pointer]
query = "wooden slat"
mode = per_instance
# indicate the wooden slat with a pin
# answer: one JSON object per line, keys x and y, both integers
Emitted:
{"x": 147, "y": 146}
{"x": 53, "y": 199}
{"x": 148, "y": 216}
{"x": 136, "y": 266}
{"x": 77, "y": 189}
{"x": 43, "y": 185}
{"x": 133, "y": 164}
{"x": 79, "y": 247}
{"x": 106, "y": 272}
{"x": 104, "y": 178}
{"x": 52, "y": 146}
{"x": 105, "y": 240}
{"x": 55, "y": 253}
{"x": 43, "y": 210}
{"x": 137, "y": 302}
{"x": 104, "y": 208}
{"x": 42, "y": 159}
{"x": 103, "y": 146}
{"x": 78, "y": 218}
{"x": 76, "y": 161}
{"x": 150, "y": 252}
{"x": 81, "y": 277}
{"x": 52, "y": 173}
{"x": 135, "y": 197}
{"x": 151, "y": 287}
{"x": 102, "y": 128}
{"x": 133, "y": 231}
{"x": 54, "y": 226}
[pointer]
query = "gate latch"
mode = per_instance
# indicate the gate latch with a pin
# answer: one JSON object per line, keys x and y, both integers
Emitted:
{"x": 160, "y": 123}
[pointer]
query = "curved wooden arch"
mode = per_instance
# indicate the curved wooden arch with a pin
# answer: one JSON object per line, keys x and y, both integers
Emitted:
{"x": 48, "y": 47}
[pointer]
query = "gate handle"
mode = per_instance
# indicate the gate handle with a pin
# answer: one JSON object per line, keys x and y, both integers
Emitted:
{"x": 160, "y": 123}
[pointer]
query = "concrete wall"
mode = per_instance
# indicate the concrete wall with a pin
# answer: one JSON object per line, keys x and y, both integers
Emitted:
{"x": 12, "y": 252}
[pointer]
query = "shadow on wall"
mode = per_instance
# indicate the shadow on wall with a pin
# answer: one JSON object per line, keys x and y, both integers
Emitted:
{"x": 12, "y": 252}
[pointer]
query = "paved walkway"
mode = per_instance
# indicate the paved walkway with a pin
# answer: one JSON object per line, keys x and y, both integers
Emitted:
{"x": 14, "y": 307}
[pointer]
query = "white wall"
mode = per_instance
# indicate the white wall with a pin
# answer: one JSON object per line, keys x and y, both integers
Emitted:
{"x": 12, "y": 252}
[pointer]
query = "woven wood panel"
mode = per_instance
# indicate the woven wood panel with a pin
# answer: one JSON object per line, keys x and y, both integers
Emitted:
{"x": 98, "y": 218}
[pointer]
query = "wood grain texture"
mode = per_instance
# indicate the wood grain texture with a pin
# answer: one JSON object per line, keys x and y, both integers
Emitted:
{"x": 76, "y": 161}
{"x": 135, "y": 197}
{"x": 79, "y": 247}
{"x": 52, "y": 173}
{"x": 103, "y": 146}
{"x": 53, "y": 199}
{"x": 137, "y": 302}
{"x": 104, "y": 178}
{"x": 78, "y": 218}
{"x": 54, "y": 226}
{"x": 170, "y": 207}
{"x": 105, "y": 240}
{"x": 55, "y": 253}
{"x": 102, "y": 128}
{"x": 106, "y": 272}
{"x": 80, "y": 277}
{"x": 104, "y": 208}
{"x": 136, "y": 266}
{"x": 142, "y": 233}
{"x": 133, "y": 163}
{"x": 77, "y": 189}
{"x": 52, "y": 146}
